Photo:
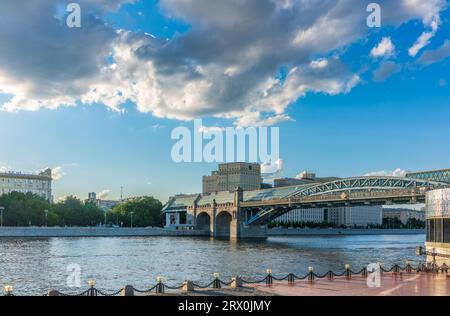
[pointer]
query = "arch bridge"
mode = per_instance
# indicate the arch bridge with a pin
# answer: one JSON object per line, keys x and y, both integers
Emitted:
{"x": 239, "y": 214}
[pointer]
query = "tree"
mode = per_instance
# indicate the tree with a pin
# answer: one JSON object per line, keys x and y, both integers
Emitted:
{"x": 72, "y": 212}
{"x": 146, "y": 212}
{"x": 25, "y": 209}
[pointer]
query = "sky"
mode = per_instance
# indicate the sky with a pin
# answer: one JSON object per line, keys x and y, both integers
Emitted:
{"x": 98, "y": 103}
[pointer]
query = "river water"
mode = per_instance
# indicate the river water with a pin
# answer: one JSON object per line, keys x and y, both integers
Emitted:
{"x": 33, "y": 266}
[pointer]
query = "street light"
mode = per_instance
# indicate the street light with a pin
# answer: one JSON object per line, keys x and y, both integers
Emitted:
{"x": 1, "y": 211}
{"x": 46, "y": 215}
{"x": 131, "y": 219}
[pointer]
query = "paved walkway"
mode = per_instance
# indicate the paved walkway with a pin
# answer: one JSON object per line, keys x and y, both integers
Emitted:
{"x": 402, "y": 284}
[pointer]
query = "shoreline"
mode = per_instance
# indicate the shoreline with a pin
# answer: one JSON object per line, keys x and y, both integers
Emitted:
{"x": 276, "y": 232}
{"x": 49, "y": 232}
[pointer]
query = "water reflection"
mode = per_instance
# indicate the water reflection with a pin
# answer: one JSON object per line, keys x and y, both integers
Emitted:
{"x": 35, "y": 265}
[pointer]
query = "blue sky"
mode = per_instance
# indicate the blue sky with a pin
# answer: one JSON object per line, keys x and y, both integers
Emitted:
{"x": 332, "y": 126}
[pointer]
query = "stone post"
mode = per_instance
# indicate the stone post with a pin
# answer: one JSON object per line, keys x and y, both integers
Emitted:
{"x": 53, "y": 293}
{"x": 236, "y": 282}
{"x": 188, "y": 286}
{"x": 127, "y": 291}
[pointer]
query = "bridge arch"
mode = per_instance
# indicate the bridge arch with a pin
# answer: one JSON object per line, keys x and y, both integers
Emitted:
{"x": 223, "y": 224}
{"x": 203, "y": 221}
{"x": 366, "y": 184}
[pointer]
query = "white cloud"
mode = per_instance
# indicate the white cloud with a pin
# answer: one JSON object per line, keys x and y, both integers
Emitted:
{"x": 57, "y": 173}
{"x": 210, "y": 70}
{"x": 4, "y": 168}
{"x": 424, "y": 38}
{"x": 384, "y": 49}
{"x": 272, "y": 170}
{"x": 394, "y": 173}
{"x": 103, "y": 194}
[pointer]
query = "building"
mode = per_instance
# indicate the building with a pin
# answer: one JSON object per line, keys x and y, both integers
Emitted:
{"x": 106, "y": 205}
{"x": 403, "y": 214}
{"x": 303, "y": 178}
{"x": 438, "y": 225}
{"x": 92, "y": 198}
{"x": 231, "y": 175}
{"x": 360, "y": 216}
{"x": 176, "y": 212}
{"x": 39, "y": 184}
{"x": 307, "y": 215}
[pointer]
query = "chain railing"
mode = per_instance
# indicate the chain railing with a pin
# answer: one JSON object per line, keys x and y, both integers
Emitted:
{"x": 160, "y": 287}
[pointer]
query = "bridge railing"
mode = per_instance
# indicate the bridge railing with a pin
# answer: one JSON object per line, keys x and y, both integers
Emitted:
{"x": 338, "y": 195}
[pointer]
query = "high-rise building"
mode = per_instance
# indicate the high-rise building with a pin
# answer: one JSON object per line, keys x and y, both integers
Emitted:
{"x": 92, "y": 198}
{"x": 231, "y": 175}
{"x": 39, "y": 184}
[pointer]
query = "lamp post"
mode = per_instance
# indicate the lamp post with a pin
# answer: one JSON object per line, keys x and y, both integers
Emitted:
{"x": 46, "y": 215}
{"x": 105, "y": 218}
{"x": 1, "y": 211}
{"x": 131, "y": 219}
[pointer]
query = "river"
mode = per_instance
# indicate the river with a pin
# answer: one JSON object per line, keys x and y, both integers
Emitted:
{"x": 33, "y": 266}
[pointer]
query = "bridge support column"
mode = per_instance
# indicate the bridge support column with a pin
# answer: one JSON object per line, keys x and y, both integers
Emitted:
{"x": 234, "y": 229}
{"x": 213, "y": 223}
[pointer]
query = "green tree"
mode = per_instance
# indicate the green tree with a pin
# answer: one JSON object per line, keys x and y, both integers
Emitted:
{"x": 146, "y": 212}
{"x": 25, "y": 209}
{"x": 72, "y": 212}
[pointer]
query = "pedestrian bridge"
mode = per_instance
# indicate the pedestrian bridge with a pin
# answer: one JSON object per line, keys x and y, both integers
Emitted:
{"x": 240, "y": 214}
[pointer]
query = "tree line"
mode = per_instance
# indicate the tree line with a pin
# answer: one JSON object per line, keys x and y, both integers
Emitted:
{"x": 26, "y": 209}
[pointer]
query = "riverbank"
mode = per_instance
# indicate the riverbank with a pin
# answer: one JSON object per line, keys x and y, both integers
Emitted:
{"x": 340, "y": 231}
{"x": 43, "y": 232}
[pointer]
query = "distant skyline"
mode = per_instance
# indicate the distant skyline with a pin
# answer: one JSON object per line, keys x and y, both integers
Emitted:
{"x": 98, "y": 103}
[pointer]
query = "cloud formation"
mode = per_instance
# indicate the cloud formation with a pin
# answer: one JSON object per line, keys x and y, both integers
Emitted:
{"x": 103, "y": 194}
{"x": 245, "y": 60}
{"x": 384, "y": 49}
{"x": 394, "y": 173}
{"x": 434, "y": 56}
{"x": 385, "y": 70}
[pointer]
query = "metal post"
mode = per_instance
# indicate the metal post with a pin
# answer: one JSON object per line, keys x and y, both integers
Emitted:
{"x": 46, "y": 216}
{"x": 291, "y": 279}
{"x": 1, "y": 211}
{"x": 269, "y": 278}
{"x": 131, "y": 219}
{"x": 216, "y": 283}
{"x": 159, "y": 285}
{"x": 348, "y": 272}
{"x": 310, "y": 274}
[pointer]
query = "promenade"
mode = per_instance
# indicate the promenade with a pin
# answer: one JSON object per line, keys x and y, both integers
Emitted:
{"x": 401, "y": 284}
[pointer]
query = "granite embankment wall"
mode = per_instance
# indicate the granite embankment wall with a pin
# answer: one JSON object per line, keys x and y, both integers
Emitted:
{"x": 36, "y": 232}
{"x": 337, "y": 231}
{"x": 93, "y": 232}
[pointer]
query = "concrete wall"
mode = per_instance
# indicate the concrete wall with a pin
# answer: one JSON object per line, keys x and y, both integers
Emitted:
{"x": 93, "y": 232}
{"x": 336, "y": 231}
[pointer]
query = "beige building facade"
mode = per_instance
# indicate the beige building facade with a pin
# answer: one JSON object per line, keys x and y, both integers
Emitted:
{"x": 231, "y": 175}
{"x": 39, "y": 184}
